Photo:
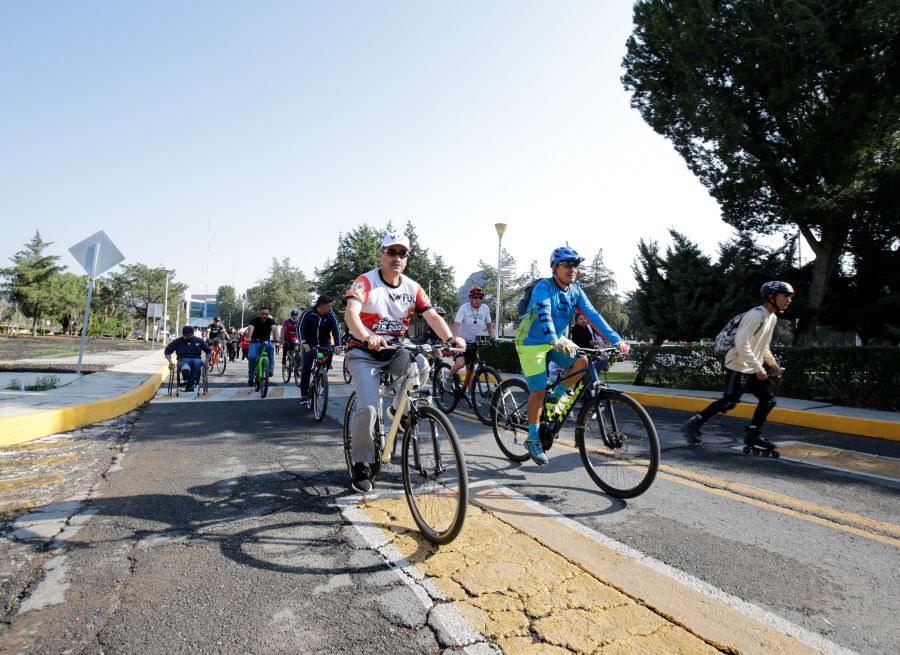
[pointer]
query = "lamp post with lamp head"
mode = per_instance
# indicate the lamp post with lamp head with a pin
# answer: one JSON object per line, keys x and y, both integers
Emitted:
{"x": 501, "y": 229}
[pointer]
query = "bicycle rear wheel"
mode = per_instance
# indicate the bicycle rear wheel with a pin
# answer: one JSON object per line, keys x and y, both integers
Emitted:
{"x": 264, "y": 383}
{"x": 320, "y": 385}
{"x": 348, "y": 442}
{"x": 347, "y": 376}
{"x": 445, "y": 400}
{"x": 484, "y": 385}
{"x": 434, "y": 476}
{"x": 509, "y": 418}
{"x": 618, "y": 444}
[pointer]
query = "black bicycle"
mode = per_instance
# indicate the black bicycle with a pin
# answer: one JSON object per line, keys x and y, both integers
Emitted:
{"x": 616, "y": 437}
{"x": 478, "y": 389}
{"x": 435, "y": 479}
{"x": 291, "y": 363}
{"x": 317, "y": 395}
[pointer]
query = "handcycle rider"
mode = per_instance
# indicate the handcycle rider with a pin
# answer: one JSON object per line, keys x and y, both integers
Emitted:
{"x": 189, "y": 350}
{"x": 539, "y": 337}
{"x": 318, "y": 328}
{"x": 470, "y": 319}
{"x": 380, "y": 304}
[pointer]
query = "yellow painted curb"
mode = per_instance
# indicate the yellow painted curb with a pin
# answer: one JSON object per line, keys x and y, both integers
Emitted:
{"x": 864, "y": 427}
{"x": 25, "y": 427}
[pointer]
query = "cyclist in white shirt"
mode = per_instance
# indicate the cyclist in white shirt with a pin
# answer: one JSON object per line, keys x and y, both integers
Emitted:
{"x": 470, "y": 320}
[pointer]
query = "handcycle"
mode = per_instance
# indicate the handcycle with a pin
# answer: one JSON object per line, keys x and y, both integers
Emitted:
{"x": 317, "y": 394}
{"x": 615, "y": 436}
{"x": 478, "y": 390}
{"x": 176, "y": 384}
{"x": 435, "y": 479}
{"x": 261, "y": 375}
{"x": 291, "y": 363}
{"x": 219, "y": 358}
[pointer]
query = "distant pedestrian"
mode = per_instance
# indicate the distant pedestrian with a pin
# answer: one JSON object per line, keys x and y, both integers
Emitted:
{"x": 584, "y": 335}
{"x": 744, "y": 367}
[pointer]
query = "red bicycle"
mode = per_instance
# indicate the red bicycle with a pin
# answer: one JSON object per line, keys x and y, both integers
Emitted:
{"x": 219, "y": 358}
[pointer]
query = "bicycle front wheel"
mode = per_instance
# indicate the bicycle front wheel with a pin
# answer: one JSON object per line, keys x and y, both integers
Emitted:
{"x": 445, "y": 399}
{"x": 320, "y": 388}
{"x": 509, "y": 418}
{"x": 434, "y": 476}
{"x": 347, "y": 376}
{"x": 618, "y": 444}
{"x": 264, "y": 383}
{"x": 287, "y": 367}
{"x": 482, "y": 391}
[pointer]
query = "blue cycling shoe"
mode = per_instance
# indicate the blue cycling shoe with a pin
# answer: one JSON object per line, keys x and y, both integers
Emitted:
{"x": 536, "y": 450}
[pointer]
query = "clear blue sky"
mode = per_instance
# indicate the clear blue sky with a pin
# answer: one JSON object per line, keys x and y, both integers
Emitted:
{"x": 285, "y": 123}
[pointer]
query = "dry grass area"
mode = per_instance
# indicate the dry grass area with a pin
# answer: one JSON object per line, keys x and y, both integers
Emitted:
{"x": 13, "y": 349}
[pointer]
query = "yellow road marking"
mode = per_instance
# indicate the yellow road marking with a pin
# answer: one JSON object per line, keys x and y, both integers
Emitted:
{"x": 243, "y": 393}
{"x": 532, "y": 584}
{"x": 209, "y": 394}
{"x": 277, "y": 392}
{"x": 886, "y": 467}
{"x": 855, "y": 524}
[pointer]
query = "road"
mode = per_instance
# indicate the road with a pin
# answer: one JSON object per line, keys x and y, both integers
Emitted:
{"x": 221, "y": 530}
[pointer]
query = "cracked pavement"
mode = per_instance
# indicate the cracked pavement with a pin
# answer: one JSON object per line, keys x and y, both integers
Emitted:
{"x": 204, "y": 530}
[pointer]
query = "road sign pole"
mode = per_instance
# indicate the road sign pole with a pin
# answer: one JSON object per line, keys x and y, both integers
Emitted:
{"x": 87, "y": 307}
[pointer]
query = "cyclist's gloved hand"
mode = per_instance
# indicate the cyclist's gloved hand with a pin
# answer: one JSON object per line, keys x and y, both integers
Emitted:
{"x": 564, "y": 345}
{"x": 624, "y": 349}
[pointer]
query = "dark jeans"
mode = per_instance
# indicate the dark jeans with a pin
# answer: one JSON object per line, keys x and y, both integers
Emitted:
{"x": 308, "y": 358}
{"x": 736, "y": 385}
{"x": 192, "y": 374}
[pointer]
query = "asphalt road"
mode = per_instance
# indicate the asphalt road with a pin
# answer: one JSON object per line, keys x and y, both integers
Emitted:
{"x": 218, "y": 531}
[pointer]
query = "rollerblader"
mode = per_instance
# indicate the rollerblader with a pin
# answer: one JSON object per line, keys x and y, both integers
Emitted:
{"x": 744, "y": 370}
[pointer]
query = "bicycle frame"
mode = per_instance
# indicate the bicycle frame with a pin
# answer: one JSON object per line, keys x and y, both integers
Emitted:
{"x": 589, "y": 379}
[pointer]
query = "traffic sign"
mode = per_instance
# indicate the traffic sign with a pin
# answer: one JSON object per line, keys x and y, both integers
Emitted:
{"x": 97, "y": 246}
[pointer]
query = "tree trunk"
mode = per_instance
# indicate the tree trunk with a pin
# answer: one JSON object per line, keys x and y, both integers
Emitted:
{"x": 648, "y": 362}
{"x": 828, "y": 251}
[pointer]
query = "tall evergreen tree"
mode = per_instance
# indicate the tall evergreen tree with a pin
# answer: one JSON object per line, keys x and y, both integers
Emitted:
{"x": 31, "y": 279}
{"x": 285, "y": 287}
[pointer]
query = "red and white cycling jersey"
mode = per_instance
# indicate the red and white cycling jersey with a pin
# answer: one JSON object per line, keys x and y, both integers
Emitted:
{"x": 387, "y": 310}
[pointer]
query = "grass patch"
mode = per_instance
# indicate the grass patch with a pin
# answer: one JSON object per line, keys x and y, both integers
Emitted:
{"x": 43, "y": 383}
{"x": 15, "y": 385}
{"x": 620, "y": 377}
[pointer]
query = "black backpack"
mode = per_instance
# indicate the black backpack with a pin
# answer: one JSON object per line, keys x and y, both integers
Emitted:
{"x": 525, "y": 300}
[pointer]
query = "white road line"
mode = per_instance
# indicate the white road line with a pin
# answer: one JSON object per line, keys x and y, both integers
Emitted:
{"x": 446, "y": 617}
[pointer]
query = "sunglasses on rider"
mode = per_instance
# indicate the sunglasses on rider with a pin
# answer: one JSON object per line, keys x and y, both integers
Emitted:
{"x": 570, "y": 264}
{"x": 477, "y": 297}
{"x": 393, "y": 252}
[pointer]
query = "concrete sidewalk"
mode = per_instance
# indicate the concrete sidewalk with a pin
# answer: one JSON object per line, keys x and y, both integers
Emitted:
{"x": 26, "y": 415}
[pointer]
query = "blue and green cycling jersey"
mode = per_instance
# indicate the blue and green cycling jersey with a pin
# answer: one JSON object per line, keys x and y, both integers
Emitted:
{"x": 551, "y": 310}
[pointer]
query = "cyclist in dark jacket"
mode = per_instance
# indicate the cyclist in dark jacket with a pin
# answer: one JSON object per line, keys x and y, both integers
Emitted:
{"x": 318, "y": 328}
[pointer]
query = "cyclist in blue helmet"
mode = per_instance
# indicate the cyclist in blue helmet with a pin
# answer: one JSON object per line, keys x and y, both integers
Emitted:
{"x": 540, "y": 336}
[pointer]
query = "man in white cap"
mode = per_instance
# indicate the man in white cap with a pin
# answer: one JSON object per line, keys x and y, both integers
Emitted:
{"x": 380, "y": 304}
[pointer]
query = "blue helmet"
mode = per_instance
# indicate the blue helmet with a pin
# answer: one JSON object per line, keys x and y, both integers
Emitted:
{"x": 294, "y": 313}
{"x": 565, "y": 254}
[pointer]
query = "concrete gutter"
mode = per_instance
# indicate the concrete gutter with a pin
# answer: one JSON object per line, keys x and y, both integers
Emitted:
{"x": 92, "y": 398}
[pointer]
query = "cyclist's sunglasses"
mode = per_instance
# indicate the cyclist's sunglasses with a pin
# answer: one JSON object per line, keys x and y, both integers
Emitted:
{"x": 393, "y": 252}
{"x": 574, "y": 265}
{"x": 477, "y": 297}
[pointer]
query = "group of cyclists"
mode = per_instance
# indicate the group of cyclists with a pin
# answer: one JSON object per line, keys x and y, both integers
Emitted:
{"x": 380, "y": 304}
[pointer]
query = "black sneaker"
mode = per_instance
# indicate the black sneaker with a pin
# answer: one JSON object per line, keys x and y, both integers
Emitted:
{"x": 691, "y": 430}
{"x": 360, "y": 481}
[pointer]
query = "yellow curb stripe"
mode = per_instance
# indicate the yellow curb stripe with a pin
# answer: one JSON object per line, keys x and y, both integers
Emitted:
{"x": 865, "y": 427}
{"x": 277, "y": 392}
{"x": 25, "y": 427}
{"x": 764, "y": 499}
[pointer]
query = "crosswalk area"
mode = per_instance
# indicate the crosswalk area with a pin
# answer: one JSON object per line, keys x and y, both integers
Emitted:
{"x": 233, "y": 390}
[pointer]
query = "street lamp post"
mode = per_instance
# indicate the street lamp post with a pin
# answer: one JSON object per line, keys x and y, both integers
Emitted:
{"x": 165, "y": 307}
{"x": 501, "y": 229}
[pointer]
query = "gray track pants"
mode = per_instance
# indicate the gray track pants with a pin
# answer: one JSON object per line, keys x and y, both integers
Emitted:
{"x": 366, "y": 372}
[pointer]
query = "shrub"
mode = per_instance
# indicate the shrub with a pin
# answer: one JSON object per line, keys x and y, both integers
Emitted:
{"x": 503, "y": 358}
{"x": 853, "y": 377}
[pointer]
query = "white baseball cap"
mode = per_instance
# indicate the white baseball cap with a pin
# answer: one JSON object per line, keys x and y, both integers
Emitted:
{"x": 394, "y": 239}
